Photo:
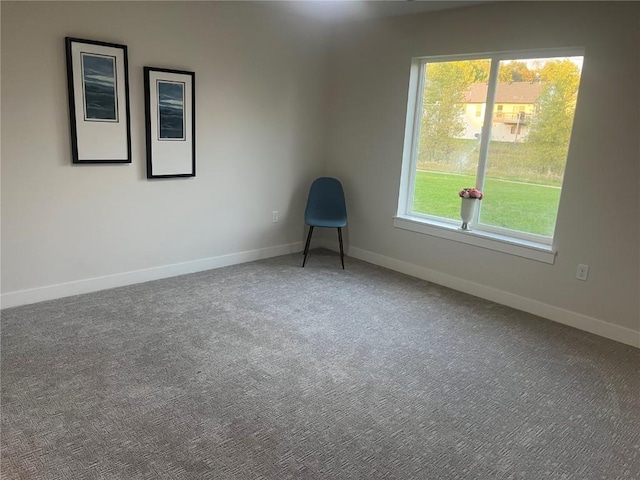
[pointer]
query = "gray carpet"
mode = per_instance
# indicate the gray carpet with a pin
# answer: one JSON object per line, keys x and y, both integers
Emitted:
{"x": 270, "y": 371}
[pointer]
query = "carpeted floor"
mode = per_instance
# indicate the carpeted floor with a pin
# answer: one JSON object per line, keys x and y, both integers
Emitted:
{"x": 269, "y": 371}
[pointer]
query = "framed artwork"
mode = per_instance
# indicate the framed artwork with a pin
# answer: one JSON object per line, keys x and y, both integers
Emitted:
{"x": 170, "y": 122}
{"x": 98, "y": 88}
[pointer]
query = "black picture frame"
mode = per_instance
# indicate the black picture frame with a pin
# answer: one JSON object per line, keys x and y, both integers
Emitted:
{"x": 98, "y": 91}
{"x": 170, "y": 121}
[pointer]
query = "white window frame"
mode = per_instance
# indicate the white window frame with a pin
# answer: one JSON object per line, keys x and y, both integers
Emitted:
{"x": 534, "y": 247}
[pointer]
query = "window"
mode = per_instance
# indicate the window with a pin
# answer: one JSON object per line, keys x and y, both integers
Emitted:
{"x": 516, "y": 154}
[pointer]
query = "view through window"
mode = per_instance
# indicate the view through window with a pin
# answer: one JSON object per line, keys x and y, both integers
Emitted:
{"x": 502, "y": 125}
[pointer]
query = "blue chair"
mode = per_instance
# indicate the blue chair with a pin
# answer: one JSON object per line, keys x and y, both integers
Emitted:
{"x": 325, "y": 208}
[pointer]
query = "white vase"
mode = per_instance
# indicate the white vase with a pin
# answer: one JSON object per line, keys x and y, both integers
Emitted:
{"x": 468, "y": 210}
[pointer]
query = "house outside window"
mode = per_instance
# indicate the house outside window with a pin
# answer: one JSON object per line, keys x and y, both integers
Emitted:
{"x": 516, "y": 152}
{"x": 513, "y": 113}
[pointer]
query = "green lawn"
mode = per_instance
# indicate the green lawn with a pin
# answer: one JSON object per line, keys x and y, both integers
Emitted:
{"x": 509, "y": 204}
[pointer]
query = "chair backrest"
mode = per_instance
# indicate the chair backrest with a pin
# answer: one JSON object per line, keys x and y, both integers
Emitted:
{"x": 326, "y": 203}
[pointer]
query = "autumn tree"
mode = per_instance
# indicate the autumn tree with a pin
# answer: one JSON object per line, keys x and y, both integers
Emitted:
{"x": 446, "y": 84}
{"x": 548, "y": 139}
{"x": 481, "y": 69}
{"x": 515, "y": 71}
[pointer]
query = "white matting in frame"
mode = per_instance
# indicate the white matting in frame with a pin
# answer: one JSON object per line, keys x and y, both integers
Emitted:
{"x": 170, "y": 122}
{"x": 98, "y": 88}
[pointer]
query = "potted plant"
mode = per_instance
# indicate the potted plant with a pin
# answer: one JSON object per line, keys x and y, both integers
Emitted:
{"x": 470, "y": 199}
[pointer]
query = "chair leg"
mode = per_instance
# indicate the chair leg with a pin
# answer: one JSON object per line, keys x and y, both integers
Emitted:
{"x": 306, "y": 247}
{"x": 341, "y": 247}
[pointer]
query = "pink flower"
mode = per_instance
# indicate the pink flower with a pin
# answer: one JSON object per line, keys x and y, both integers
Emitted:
{"x": 471, "y": 192}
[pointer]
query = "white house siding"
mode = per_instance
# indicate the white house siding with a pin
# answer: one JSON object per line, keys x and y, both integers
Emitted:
{"x": 500, "y": 132}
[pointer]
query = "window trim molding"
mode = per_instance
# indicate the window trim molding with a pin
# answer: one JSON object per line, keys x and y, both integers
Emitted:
{"x": 523, "y": 244}
{"x": 490, "y": 241}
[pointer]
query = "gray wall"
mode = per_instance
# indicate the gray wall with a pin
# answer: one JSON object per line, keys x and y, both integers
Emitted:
{"x": 276, "y": 106}
{"x": 260, "y": 139}
{"x": 598, "y": 217}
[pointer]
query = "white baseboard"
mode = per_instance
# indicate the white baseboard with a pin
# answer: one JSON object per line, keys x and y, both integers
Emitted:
{"x": 560, "y": 315}
{"x": 51, "y": 292}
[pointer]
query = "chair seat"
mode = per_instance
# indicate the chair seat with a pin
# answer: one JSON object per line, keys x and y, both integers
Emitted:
{"x": 326, "y": 222}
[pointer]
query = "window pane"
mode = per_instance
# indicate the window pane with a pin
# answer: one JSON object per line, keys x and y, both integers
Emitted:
{"x": 449, "y": 138}
{"x": 529, "y": 143}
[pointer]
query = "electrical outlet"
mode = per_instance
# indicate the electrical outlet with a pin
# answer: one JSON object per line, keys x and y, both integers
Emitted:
{"x": 583, "y": 272}
{"x": 275, "y": 216}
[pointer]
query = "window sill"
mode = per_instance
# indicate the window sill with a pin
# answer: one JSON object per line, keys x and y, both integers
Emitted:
{"x": 490, "y": 241}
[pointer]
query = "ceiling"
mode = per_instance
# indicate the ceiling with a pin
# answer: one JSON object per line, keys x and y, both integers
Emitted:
{"x": 346, "y": 10}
